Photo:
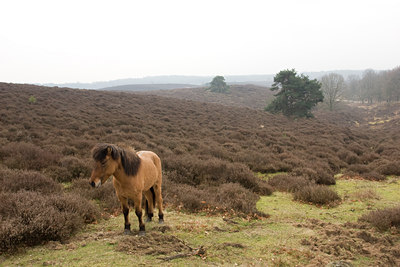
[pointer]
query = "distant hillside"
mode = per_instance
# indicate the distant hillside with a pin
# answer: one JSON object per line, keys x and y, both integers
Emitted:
{"x": 250, "y": 96}
{"x": 261, "y": 80}
{"x": 147, "y": 87}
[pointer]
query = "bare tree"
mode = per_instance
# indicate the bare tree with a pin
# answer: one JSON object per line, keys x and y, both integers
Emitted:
{"x": 333, "y": 87}
{"x": 353, "y": 88}
{"x": 369, "y": 85}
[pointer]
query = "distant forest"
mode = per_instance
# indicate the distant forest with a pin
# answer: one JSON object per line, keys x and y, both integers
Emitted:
{"x": 373, "y": 86}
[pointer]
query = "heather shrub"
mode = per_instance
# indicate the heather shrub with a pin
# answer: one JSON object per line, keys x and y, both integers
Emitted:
{"x": 317, "y": 194}
{"x": 374, "y": 176}
{"x": 389, "y": 168}
{"x": 105, "y": 194}
{"x": 368, "y": 157}
{"x": 190, "y": 198}
{"x": 383, "y": 219}
{"x": 195, "y": 171}
{"x": 26, "y": 156}
{"x": 227, "y": 197}
{"x": 316, "y": 175}
{"x": 358, "y": 168}
{"x": 233, "y": 196}
{"x": 17, "y": 180}
{"x": 348, "y": 157}
{"x": 356, "y": 148}
{"x": 30, "y": 218}
{"x": 76, "y": 168}
{"x": 288, "y": 183}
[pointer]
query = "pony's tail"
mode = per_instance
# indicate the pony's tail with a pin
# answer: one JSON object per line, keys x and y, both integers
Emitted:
{"x": 154, "y": 196}
{"x": 154, "y": 200}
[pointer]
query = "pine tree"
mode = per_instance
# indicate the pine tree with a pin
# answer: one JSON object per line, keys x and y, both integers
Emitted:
{"x": 296, "y": 95}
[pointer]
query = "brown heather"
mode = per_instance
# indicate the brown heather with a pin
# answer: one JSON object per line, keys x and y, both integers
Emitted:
{"x": 383, "y": 219}
{"x": 209, "y": 151}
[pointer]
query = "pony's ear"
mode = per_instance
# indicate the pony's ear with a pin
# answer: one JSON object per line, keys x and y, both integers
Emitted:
{"x": 109, "y": 150}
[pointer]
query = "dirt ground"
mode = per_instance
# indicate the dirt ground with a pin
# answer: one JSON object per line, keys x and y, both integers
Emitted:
{"x": 344, "y": 241}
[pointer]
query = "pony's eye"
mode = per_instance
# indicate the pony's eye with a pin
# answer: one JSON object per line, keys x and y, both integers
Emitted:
{"x": 103, "y": 163}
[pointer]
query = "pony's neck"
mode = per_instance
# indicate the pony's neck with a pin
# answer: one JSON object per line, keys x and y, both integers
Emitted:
{"x": 119, "y": 172}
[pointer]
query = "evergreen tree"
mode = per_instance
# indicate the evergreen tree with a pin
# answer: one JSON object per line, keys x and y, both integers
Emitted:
{"x": 296, "y": 95}
{"x": 218, "y": 85}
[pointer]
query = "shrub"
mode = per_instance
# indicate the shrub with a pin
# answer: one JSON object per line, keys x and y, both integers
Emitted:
{"x": 389, "y": 168}
{"x": 316, "y": 175}
{"x": 358, "y": 168}
{"x": 288, "y": 183}
{"x": 26, "y": 156}
{"x": 233, "y": 196}
{"x": 194, "y": 171}
{"x": 29, "y": 218}
{"x": 76, "y": 168}
{"x": 383, "y": 219}
{"x": 17, "y": 180}
{"x": 374, "y": 176}
{"x": 317, "y": 194}
{"x": 105, "y": 193}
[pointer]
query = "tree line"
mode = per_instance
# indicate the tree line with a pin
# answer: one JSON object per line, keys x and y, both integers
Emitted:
{"x": 374, "y": 86}
{"x": 297, "y": 95}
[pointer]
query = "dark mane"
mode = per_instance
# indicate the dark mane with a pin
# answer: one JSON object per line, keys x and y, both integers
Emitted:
{"x": 129, "y": 160}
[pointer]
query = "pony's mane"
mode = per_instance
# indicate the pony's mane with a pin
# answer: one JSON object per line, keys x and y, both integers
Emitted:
{"x": 129, "y": 160}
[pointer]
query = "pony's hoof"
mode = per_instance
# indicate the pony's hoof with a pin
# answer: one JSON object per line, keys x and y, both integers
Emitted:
{"x": 142, "y": 233}
{"x": 160, "y": 221}
{"x": 127, "y": 232}
{"x": 148, "y": 219}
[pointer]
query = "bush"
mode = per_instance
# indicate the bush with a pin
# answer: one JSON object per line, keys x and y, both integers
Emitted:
{"x": 17, "y": 180}
{"x": 29, "y": 218}
{"x": 317, "y": 194}
{"x": 358, "y": 168}
{"x": 226, "y": 197}
{"x": 389, "y": 168}
{"x": 374, "y": 176}
{"x": 194, "y": 171}
{"x": 76, "y": 168}
{"x": 26, "y": 156}
{"x": 316, "y": 175}
{"x": 234, "y": 197}
{"x": 105, "y": 193}
{"x": 383, "y": 219}
{"x": 288, "y": 183}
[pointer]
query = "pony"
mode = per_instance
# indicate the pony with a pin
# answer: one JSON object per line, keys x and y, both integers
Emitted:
{"x": 134, "y": 174}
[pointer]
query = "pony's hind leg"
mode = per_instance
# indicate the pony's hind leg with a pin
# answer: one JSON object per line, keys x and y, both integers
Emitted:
{"x": 138, "y": 210}
{"x": 159, "y": 200}
{"x": 149, "y": 204}
{"x": 125, "y": 210}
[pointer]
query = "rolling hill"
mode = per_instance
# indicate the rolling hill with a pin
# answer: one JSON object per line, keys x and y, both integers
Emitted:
{"x": 218, "y": 159}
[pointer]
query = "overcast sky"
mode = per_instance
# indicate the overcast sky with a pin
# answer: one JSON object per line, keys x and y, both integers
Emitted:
{"x": 86, "y": 41}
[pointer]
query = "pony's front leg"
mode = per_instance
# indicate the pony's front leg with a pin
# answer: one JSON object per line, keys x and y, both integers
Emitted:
{"x": 138, "y": 210}
{"x": 125, "y": 210}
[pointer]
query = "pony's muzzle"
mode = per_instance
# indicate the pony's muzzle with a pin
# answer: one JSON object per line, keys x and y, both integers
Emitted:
{"x": 95, "y": 185}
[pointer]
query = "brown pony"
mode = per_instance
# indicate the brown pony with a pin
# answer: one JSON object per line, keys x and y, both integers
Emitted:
{"x": 134, "y": 173}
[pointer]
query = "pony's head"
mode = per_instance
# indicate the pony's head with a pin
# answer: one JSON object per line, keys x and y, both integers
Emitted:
{"x": 106, "y": 158}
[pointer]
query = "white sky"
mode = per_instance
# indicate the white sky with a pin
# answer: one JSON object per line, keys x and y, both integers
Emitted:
{"x": 69, "y": 41}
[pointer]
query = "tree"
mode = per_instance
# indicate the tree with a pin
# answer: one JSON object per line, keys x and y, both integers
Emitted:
{"x": 392, "y": 85}
{"x": 332, "y": 86}
{"x": 32, "y": 99}
{"x": 353, "y": 88}
{"x": 218, "y": 85}
{"x": 369, "y": 85}
{"x": 296, "y": 95}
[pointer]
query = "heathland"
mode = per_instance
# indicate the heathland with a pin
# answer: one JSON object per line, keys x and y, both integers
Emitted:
{"x": 240, "y": 185}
